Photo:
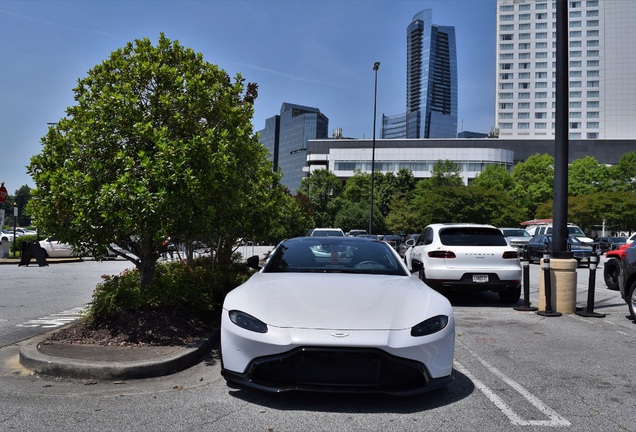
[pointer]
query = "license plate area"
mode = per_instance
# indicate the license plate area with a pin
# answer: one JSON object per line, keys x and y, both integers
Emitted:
{"x": 480, "y": 278}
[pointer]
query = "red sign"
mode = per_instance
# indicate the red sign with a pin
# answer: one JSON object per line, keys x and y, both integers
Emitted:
{"x": 3, "y": 194}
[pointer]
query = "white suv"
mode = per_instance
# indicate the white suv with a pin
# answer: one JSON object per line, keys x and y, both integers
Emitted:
{"x": 469, "y": 257}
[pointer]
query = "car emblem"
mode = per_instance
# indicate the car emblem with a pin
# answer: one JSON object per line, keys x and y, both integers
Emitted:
{"x": 340, "y": 335}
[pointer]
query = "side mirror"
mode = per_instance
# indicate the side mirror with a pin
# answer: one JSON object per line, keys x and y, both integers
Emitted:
{"x": 410, "y": 242}
{"x": 253, "y": 261}
{"x": 416, "y": 265}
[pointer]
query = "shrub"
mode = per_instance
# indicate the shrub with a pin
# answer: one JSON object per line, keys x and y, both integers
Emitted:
{"x": 177, "y": 285}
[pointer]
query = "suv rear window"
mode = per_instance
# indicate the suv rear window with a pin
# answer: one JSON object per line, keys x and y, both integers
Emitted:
{"x": 472, "y": 236}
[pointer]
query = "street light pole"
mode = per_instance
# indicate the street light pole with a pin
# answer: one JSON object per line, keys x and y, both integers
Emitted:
{"x": 376, "y": 66}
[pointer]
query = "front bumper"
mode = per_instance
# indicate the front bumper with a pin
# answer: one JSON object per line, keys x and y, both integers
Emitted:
{"x": 353, "y": 370}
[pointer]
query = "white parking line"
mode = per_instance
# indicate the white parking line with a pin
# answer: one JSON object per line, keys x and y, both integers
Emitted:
{"x": 555, "y": 420}
{"x": 56, "y": 319}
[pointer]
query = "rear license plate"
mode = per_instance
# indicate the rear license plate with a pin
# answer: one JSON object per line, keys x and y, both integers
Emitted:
{"x": 480, "y": 278}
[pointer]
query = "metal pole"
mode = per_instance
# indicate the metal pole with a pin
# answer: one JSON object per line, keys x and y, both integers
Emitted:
{"x": 589, "y": 312}
{"x": 525, "y": 262}
{"x": 376, "y": 66}
{"x": 547, "y": 288}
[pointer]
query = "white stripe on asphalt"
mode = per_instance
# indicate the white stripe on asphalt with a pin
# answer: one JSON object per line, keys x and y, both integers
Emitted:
{"x": 56, "y": 319}
{"x": 554, "y": 418}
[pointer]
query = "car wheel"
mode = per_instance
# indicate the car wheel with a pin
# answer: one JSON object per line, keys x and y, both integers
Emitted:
{"x": 631, "y": 300}
{"x": 510, "y": 296}
{"x": 610, "y": 273}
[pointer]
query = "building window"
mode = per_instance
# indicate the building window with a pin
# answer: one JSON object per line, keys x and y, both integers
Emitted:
{"x": 524, "y": 36}
{"x": 524, "y": 56}
{"x": 506, "y": 17}
{"x": 523, "y": 105}
{"x": 524, "y": 125}
{"x": 541, "y": 26}
{"x": 524, "y": 17}
{"x": 505, "y": 105}
{"x": 592, "y": 23}
{"x": 575, "y": 14}
{"x": 575, "y": 74}
{"x": 575, "y": 94}
{"x": 505, "y": 125}
{"x": 507, "y": 56}
{"x": 541, "y": 75}
{"x": 591, "y": 13}
{"x": 505, "y": 95}
{"x": 575, "y": 53}
{"x": 540, "y": 115}
{"x": 524, "y": 75}
{"x": 593, "y": 63}
{"x": 523, "y": 115}
{"x": 541, "y": 45}
{"x": 575, "y": 34}
{"x": 541, "y": 55}
{"x": 524, "y": 85}
{"x": 592, "y": 53}
{"x": 506, "y": 8}
{"x": 505, "y": 116}
{"x": 541, "y": 6}
{"x": 575, "y": 104}
{"x": 592, "y": 125}
{"x": 540, "y": 125}
{"x": 575, "y": 4}
{"x": 505, "y": 66}
{"x": 593, "y": 83}
{"x": 506, "y": 27}
{"x": 575, "y": 64}
{"x": 541, "y": 95}
{"x": 540, "y": 84}
{"x": 524, "y": 26}
{"x": 541, "y": 16}
{"x": 593, "y": 94}
{"x": 575, "y": 114}
{"x": 575, "y": 125}
{"x": 593, "y": 104}
{"x": 524, "y": 65}
{"x": 592, "y": 3}
{"x": 506, "y": 37}
{"x": 592, "y": 33}
{"x": 593, "y": 114}
{"x": 592, "y": 135}
{"x": 506, "y": 47}
{"x": 575, "y": 44}
{"x": 524, "y": 95}
{"x": 575, "y": 24}
{"x": 575, "y": 84}
{"x": 540, "y": 105}
{"x": 506, "y": 76}
{"x": 524, "y": 46}
{"x": 524, "y": 7}
{"x": 506, "y": 86}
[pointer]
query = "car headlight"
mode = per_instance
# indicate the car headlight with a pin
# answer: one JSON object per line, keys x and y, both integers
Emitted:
{"x": 430, "y": 326}
{"x": 248, "y": 322}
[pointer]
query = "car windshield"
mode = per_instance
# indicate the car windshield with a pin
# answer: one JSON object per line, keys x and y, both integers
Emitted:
{"x": 472, "y": 236}
{"x": 327, "y": 233}
{"x": 334, "y": 255}
{"x": 516, "y": 233}
{"x": 575, "y": 231}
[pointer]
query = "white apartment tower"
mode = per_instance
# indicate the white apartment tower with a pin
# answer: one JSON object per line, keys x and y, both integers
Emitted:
{"x": 602, "y": 69}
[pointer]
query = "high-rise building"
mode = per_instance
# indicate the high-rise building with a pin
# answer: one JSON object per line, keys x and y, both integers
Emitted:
{"x": 431, "y": 83}
{"x": 601, "y": 64}
{"x": 286, "y": 136}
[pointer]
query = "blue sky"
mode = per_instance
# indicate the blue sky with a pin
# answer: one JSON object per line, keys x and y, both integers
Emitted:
{"x": 317, "y": 53}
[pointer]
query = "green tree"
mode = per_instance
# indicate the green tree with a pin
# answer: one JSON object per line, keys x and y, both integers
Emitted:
{"x": 494, "y": 177}
{"x": 323, "y": 189}
{"x": 534, "y": 180}
{"x": 622, "y": 174}
{"x": 446, "y": 173}
{"x": 586, "y": 176}
{"x": 159, "y": 143}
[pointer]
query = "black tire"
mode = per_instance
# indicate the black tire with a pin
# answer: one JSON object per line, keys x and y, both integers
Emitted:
{"x": 610, "y": 273}
{"x": 510, "y": 296}
{"x": 631, "y": 300}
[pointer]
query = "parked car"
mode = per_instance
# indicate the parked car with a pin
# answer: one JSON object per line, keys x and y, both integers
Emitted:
{"x": 337, "y": 314}
{"x": 6, "y": 235}
{"x": 573, "y": 231}
{"x": 612, "y": 267}
{"x": 326, "y": 232}
{"x": 24, "y": 231}
{"x": 631, "y": 239}
{"x": 356, "y": 232}
{"x": 394, "y": 240}
{"x": 470, "y": 257}
{"x": 542, "y": 243}
{"x": 605, "y": 244}
{"x": 56, "y": 249}
{"x": 627, "y": 278}
{"x": 516, "y": 237}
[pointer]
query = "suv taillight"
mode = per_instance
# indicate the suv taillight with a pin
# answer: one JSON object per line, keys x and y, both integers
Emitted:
{"x": 510, "y": 255}
{"x": 441, "y": 254}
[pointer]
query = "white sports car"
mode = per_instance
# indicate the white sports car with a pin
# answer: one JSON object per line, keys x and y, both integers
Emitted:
{"x": 337, "y": 314}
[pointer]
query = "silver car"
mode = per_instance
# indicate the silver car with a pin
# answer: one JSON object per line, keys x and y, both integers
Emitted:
{"x": 467, "y": 257}
{"x": 516, "y": 237}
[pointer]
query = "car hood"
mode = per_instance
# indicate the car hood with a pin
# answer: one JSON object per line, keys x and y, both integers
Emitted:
{"x": 337, "y": 301}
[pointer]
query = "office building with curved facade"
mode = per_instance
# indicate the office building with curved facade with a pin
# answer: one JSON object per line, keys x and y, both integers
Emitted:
{"x": 431, "y": 83}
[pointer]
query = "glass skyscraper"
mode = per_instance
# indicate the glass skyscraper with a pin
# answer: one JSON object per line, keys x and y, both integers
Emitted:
{"x": 431, "y": 83}
{"x": 601, "y": 64}
{"x": 286, "y": 136}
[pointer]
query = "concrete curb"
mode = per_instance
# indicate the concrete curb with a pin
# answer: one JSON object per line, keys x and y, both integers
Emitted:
{"x": 183, "y": 358}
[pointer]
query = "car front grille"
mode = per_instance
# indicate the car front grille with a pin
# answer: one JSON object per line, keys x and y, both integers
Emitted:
{"x": 348, "y": 369}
